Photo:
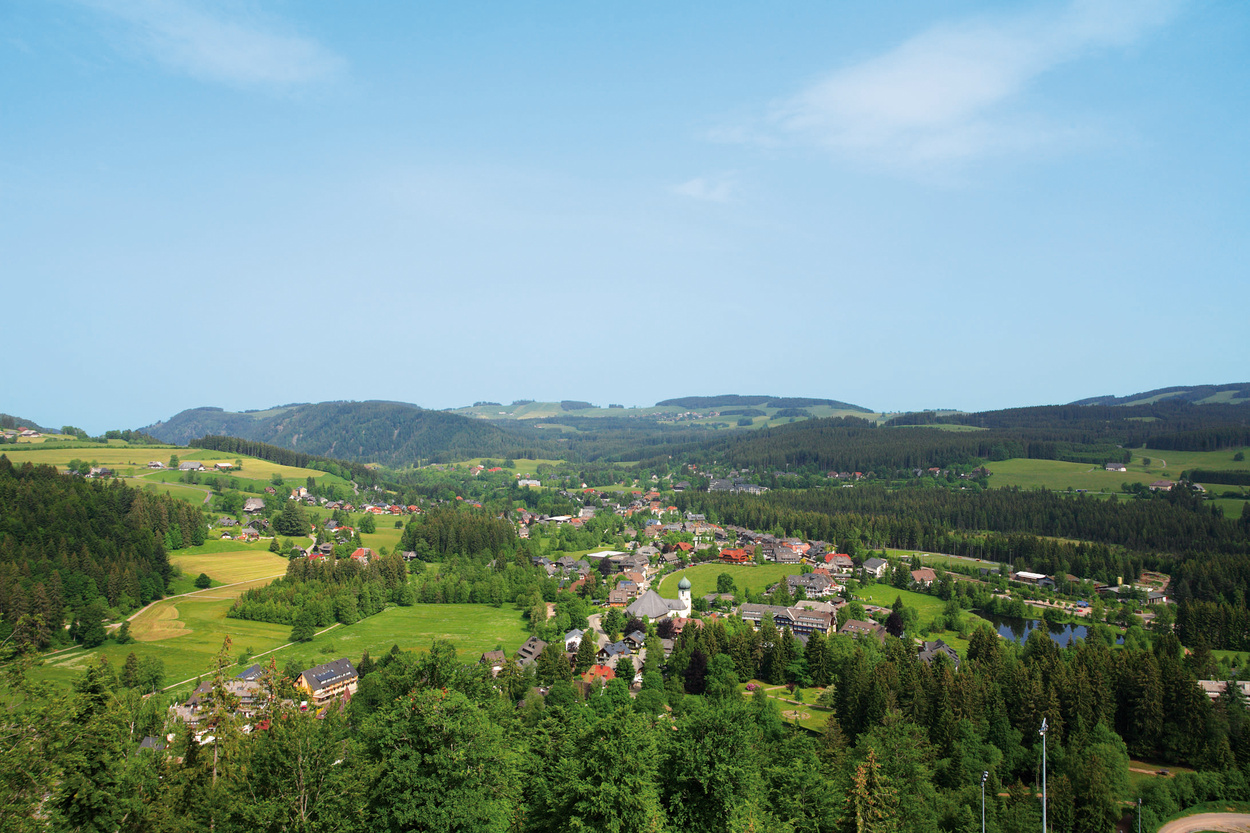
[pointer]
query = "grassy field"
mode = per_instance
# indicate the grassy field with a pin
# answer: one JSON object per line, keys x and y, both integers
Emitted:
{"x": 191, "y": 494}
{"x": 229, "y": 566}
{"x": 187, "y": 632}
{"x": 937, "y": 559}
{"x": 133, "y": 460}
{"x": 1058, "y": 475}
{"x": 755, "y": 577}
{"x": 473, "y": 629}
{"x": 803, "y": 713}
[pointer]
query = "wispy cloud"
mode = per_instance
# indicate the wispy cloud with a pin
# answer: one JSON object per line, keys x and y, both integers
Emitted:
{"x": 717, "y": 188}
{"x": 221, "y": 43}
{"x": 948, "y": 94}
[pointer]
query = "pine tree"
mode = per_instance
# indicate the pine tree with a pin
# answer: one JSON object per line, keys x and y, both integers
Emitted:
{"x": 873, "y": 801}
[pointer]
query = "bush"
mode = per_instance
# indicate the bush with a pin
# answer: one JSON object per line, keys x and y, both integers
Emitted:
{"x": 203, "y": 582}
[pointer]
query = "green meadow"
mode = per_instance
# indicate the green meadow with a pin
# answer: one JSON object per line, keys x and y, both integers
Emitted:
{"x": 754, "y": 577}
{"x": 1059, "y": 475}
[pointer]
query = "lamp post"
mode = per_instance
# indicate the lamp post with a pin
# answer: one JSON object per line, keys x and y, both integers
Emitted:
{"x": 1138, "y": 816}
{"x": 985, "y": 776}
{"x": 1042, "y": 732}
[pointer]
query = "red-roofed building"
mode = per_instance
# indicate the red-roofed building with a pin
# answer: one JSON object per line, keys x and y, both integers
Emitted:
{"x": 362, "y": 554}
{"x": 599, "y": 674}
{"x": 740, "y": 556}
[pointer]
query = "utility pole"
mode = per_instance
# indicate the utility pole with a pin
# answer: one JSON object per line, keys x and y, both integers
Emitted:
{"x": 984, "y": 777}
{"x": 1138, "y": 816}
{"x": 1042, "y": 732}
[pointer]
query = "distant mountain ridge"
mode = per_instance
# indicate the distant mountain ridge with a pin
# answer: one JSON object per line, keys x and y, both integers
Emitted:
{"x": 393, "y": 433}
{"x": 1231, "y": 394}
{"x": 733, "y": 400}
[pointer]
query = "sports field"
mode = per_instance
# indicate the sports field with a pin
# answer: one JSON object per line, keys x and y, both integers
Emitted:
{"x": 754, "y": 577}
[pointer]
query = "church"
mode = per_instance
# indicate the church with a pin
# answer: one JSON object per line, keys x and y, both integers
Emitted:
{"x": 653, "y": 606}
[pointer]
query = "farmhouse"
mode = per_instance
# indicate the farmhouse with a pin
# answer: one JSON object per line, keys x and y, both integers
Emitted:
{"x": 1116, "y": 467}
{"x": 924, "y": 577}
{"x": 190, "y": 465}
{"x": 325, "y": 682}
{"x": 253, "y": 505}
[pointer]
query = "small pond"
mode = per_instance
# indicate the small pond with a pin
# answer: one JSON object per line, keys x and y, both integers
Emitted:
{"x": 1018, "y": 630}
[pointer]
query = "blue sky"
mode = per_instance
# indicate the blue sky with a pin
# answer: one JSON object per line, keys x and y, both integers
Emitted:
{"x": 904, "y": 205}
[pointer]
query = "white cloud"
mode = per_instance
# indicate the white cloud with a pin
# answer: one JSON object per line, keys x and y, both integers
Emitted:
{"x": 212, "y": 45}
{"x": 717, "y": 188}
{"x": 945, "y": 95}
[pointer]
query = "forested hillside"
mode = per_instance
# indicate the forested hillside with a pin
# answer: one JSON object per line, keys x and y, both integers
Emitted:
{"x": 392, "y": 433}
{"x": 74, "y": 547}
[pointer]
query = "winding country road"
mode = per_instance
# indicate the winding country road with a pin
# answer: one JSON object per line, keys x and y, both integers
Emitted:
{"x": 1224, "y": 822}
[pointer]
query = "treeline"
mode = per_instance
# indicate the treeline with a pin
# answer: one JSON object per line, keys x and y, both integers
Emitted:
{"x": 362, "y": 474}
{"x": 918, "y": 518}
{"x": 1223, "y": 478}
{"x": 72, "y": 547}
{"x": 465, "y": 581}
{"x": 316, "y": 593}
{"x": 1213, "y": 624}
{"x": 446, "y": 531}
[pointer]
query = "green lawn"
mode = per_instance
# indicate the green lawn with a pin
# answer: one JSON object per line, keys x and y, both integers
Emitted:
{"x": 189, "y": 632}
{"x": 230, "y": 566}
{"x": 473, "y": 629}
{"x": 1058, "y": 475}
{"x": 755, "y": 577}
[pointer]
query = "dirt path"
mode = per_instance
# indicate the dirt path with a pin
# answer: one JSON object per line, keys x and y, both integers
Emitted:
{"x": 254, "y": 656}
{"x": 131, "y": 617}
{"x": 1226, "y": 822}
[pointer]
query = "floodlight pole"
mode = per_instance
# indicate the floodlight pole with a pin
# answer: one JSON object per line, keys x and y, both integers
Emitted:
{"x": 1042, "y": 732}
{"x": 984, "y": 777}
{"x": 1139, "y": 815}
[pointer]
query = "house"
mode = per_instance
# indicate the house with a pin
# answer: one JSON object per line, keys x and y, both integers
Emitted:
{"x": 328, "y": 681}
{"x": 1215, "y": 688}
{"x": 190, "y": 465}
{"x": 1162, "y": 486}
{"x": 573, "y": 640}
{"x": 528, "y": 653}
{"x": 1116, "y": 467}
{"x": 857, "y": 628}
{"x": 1156, "y": 597}
{"x": 155, "y": 464}
{"x": 613, "y": 652}
{"x": 876, "y": 567}
{"x": 924, "y": 577}
{"x": 362, "y": 555}
{"x": 929, "y": 651}
{"x": 736, "y": 556}
{"x": 636, "y": 639}
{"x": 599, "y": 675}
{"x": 223, "y": 466}
{"x": 814, "y": 585}
{"x": 619, "y": 598}
{"x": 494, "y": 660}
{"x": 839, "y": 562}
{"x": 253, "y": 505}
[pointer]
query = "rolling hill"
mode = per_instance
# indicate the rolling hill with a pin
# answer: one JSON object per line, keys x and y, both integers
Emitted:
{"x": 1234, "y": 394}
{"x": 391, "y": 433}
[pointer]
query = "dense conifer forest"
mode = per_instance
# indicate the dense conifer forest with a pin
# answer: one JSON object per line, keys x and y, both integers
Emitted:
{"x": 73, "y": 547}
